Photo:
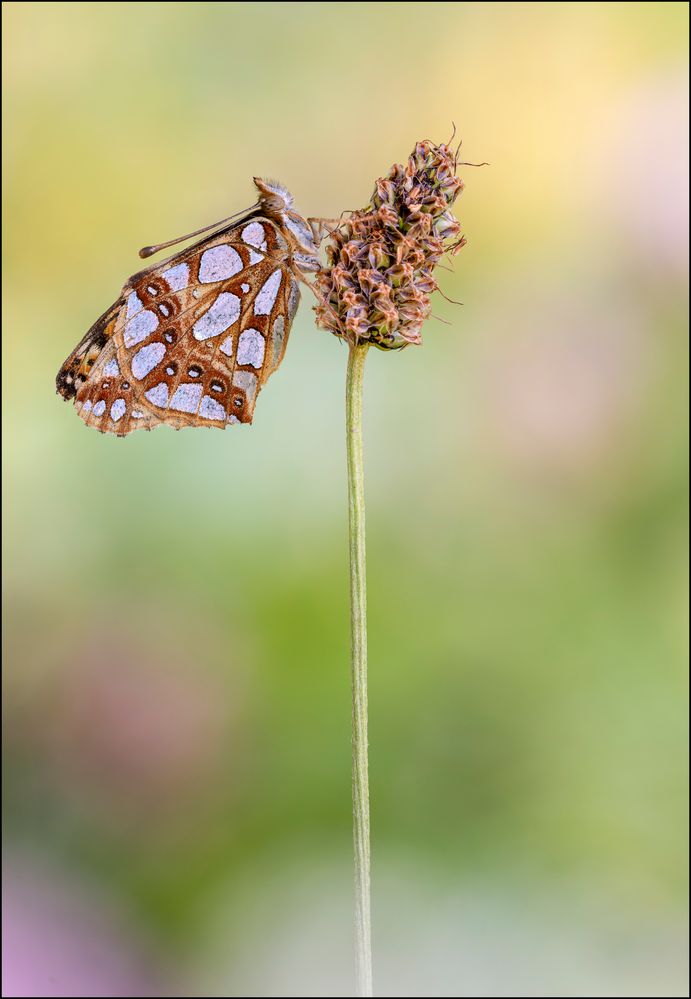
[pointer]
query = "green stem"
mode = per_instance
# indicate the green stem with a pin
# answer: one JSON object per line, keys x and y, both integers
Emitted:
{"x": 358, "y": 658}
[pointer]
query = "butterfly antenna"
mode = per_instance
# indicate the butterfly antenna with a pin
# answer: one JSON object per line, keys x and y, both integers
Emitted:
{"x": 148, "y": 251}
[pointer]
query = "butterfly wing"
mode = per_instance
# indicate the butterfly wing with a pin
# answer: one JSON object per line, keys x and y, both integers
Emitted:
{"x": 190, "y": 341}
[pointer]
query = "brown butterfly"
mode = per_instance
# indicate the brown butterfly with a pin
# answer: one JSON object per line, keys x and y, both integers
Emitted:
{"x": 191, "y": 341}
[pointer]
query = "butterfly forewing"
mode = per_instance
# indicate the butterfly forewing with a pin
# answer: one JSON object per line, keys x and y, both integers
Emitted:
{"x": 192, "y": 340}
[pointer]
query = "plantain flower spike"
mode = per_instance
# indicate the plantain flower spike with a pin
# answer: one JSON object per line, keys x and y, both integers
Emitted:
{"x": 378, "y": 279}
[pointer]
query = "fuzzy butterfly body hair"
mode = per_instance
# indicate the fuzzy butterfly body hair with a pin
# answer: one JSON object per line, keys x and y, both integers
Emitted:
{"x": 192, "y": 340}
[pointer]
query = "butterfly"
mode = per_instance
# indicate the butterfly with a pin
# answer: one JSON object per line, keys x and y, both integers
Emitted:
{"x": 191, "y": 341}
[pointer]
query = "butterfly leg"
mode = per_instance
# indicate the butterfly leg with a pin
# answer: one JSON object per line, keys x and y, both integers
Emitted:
{"x": 322, "y": 227}
{"x": 300, "y": 276}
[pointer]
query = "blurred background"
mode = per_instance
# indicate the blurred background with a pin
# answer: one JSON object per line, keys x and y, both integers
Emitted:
{"x": 177, "y": 711}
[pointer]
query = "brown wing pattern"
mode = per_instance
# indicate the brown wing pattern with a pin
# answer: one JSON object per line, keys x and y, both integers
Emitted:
{"x": 191, "y": 341}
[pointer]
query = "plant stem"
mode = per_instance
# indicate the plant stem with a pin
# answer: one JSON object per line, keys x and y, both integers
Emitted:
{"x": 358, "y": 659}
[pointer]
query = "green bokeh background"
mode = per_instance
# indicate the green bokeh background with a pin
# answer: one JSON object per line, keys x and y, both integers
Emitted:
{"x": 176, "y": 622}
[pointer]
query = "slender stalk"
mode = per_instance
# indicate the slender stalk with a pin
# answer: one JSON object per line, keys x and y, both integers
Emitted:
{"x": 358, "y": 659}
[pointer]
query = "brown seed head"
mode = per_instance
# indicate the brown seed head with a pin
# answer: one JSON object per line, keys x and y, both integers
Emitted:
{"x": 378, "y": 280}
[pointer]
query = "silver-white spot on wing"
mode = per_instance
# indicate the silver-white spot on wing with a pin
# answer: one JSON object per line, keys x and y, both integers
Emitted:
{"x": 300, "y": 230}
{"x": 293, "y": 298}
{"x": 137, "y": 414}
{"x": 264, "y": 301}
{"x": 86, "y": 408}
{"x": 227, "y": 346}
{"x": 117, "y": 410}
{"x": 245, "y": 287}
{"x": 223, "y": 313}
{"x": 112, "y": 368}
{"x": 140, "y": 327}
{"x": 278, "y": 335}
{"x": 211, "y": 410}
{"x": 219, "y": 263}
{"x": 100, "y": 407}
{"x": 247, "y": 381}
{"x": 158, "y": 395}
{"x": 251, "y": 347}
{"x": 255, "y": 258}
{"x": 178, "y": 277}
{"x": 134, "y": 304}
{"x": 186, "y": 398}
{"x": 146, "y": 359}
{"x": 253, "y": 234}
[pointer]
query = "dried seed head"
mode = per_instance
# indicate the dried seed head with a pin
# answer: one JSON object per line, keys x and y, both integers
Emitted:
{"x": 378, "y": 280}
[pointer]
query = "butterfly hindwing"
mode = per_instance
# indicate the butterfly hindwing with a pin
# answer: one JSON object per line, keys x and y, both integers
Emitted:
{"x": 192, "y": 340}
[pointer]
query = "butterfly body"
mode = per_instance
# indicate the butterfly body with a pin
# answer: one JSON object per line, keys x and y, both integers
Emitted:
{"x": 191, "y": 340}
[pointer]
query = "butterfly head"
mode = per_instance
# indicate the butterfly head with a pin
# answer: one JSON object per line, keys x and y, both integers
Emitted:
{"x": 273, "y": 195}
